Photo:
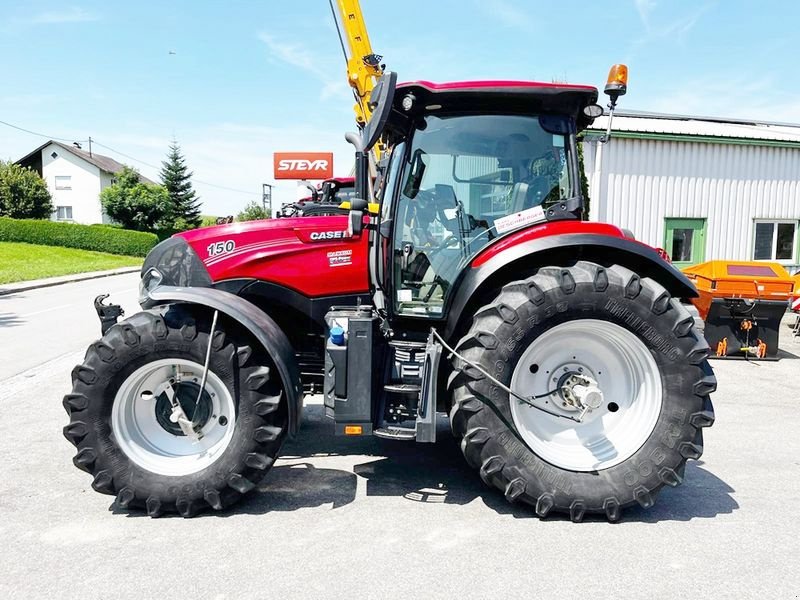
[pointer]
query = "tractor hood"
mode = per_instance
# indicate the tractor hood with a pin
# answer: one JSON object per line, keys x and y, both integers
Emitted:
{"x": 310, "y": 255}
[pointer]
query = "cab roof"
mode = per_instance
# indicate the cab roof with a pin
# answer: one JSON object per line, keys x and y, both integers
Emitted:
{"x": 511, "y": 96}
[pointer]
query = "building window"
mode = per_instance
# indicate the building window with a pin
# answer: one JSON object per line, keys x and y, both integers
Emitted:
{"x": 63, "y": 213}
{"x": 775, "y": 240}
{"x": 63, "y": 182}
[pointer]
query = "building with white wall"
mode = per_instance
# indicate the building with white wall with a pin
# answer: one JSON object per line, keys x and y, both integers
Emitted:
{"x": 75, "y": 178}
{"x": 701, "y": 188}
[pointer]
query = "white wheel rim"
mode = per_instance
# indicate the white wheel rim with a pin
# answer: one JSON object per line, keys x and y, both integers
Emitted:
{"x": 152, "y": 447}
{"x": 626, "y": 373}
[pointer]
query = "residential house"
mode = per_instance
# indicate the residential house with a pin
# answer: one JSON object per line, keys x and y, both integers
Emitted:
{"x": 75, "y": 177}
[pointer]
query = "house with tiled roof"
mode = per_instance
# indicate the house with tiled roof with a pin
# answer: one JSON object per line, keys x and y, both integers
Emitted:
{"x": 75, "y": 177}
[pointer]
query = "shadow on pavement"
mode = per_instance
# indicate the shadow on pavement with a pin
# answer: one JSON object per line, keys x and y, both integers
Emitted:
{"x": 437, "y": 474}
{"x": 430, "y": 473}
{"x": 10, "y": 320}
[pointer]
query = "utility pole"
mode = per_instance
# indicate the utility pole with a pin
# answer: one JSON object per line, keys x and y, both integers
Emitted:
{"x": 90, "y": 146}
{"x": 266, "y": 197}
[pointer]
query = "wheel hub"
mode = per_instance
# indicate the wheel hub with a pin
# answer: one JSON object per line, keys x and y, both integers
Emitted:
{"x": 186, "y": 393}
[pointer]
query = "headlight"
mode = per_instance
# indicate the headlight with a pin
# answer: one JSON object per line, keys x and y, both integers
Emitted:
{"x": 151, "y": 279}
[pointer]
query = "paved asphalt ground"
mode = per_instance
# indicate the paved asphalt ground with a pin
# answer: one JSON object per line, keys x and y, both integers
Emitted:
{"x": 378, "y": 519}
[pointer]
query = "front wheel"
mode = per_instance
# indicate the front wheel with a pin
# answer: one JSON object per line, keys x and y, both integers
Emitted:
{"x": 153, "y": 433}
{"x": 619, "y": 384}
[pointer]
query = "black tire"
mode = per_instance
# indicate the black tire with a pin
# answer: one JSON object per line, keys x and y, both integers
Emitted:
{"x": 500, "y": 333}
{"x": 261, "y": 412}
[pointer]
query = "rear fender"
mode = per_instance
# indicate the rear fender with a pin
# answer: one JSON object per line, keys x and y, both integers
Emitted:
{"x": 272, "y": 339}
{"x": 481, "y": 282}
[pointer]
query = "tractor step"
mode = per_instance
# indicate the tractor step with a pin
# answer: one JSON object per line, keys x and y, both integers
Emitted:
{"x": 390, "y": 432}
{"x": 408, "y": 345}
{"x": 402, "y": 388}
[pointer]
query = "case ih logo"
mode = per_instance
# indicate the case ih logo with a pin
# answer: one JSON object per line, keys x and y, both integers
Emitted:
{"x": 303, "y": 165}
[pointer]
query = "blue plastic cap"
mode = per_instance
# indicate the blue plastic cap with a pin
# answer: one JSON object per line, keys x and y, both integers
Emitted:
{"x": 337, "y": 335}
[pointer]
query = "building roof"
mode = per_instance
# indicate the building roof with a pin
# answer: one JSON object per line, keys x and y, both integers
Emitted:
{"x": 104, "y": 163}
{"x": 721, "y": 130}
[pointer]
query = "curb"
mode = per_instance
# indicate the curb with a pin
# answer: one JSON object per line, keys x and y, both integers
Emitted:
{"x": 24, "y": 286}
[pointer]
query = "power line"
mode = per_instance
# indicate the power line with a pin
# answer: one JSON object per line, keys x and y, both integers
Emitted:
{"x": 41, "y": 134}
{"x": 129, "y": 157}
{"x": 194, "y": 180}
{"x": 125, "y": 155}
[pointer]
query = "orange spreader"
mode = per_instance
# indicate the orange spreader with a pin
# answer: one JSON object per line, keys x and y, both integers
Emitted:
{"x": 739, "y": 279}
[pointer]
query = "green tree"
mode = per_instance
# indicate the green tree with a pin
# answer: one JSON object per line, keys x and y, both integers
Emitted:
{"x": 253, "y": 212}
{"x": 176, "y": 178}
{"x": 23, "y": 194}
{"x": 137, "y": 205}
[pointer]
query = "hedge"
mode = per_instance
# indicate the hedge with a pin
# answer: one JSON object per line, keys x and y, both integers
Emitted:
{"x": 72, "y": 235}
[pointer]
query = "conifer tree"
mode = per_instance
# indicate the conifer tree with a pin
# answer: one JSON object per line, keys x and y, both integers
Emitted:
{"x": 176, "y": 178}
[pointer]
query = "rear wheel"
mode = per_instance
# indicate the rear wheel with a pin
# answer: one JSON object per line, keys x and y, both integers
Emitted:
{"x": 619, "y": 365}
{"x": 138, "y": 382}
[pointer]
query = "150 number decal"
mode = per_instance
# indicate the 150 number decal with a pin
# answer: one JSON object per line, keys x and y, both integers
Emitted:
{"x": 223, "y": 247}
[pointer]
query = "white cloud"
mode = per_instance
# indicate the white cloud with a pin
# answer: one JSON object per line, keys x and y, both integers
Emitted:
{"x": 644, "y": 8}
{"x": 74, "y": 14}
{"x": 730, "y": 95}
{"x": 656, "y": 28}
{"x": 298, "y": 55}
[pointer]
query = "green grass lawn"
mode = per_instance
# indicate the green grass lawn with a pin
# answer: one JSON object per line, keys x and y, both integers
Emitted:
{"x": 22, "y": 262}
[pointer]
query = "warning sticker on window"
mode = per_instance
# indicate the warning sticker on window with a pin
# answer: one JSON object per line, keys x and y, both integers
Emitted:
{"x": 339, "y": 258}
{"x": 520, "y": 219}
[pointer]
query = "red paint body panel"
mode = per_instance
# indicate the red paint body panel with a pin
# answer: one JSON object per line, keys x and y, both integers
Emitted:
{"x": 545, "y": 230}
{"x": 282, "y": 251}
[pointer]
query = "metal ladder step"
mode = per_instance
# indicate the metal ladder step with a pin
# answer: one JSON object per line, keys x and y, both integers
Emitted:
{"x": 402, "y": 388}
{"x": 395, "y": 433}
{"x": 408, "y": 345}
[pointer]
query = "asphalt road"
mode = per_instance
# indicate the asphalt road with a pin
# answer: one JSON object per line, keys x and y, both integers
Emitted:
{"x": 41, "y": 325}
{"x": 367, "y": 518}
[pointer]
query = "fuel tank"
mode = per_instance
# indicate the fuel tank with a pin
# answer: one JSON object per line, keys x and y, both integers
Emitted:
{"x": 311, "y": 255}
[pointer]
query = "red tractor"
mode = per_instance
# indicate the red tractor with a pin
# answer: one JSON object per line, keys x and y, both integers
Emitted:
{"x": 572, "y": 373}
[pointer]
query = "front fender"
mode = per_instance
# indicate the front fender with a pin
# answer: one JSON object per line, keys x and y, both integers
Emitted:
{"x": 272, "y": 339}
{"x": 486, "y": 276}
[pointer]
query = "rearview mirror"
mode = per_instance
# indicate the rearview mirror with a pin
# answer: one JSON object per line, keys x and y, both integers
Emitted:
{"x": 380, "y": 102}
{"x": 355, "y": 218}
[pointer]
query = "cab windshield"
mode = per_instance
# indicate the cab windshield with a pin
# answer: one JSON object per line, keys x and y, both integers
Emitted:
{"x": 467, "y": 179}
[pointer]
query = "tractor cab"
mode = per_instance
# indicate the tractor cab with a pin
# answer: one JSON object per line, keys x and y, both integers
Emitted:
{"x": 471, "y": 162}
{"x": 467, "y": 164}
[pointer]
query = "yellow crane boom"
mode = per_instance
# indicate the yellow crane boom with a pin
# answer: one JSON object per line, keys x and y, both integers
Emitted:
{"x": 363, "y": 65}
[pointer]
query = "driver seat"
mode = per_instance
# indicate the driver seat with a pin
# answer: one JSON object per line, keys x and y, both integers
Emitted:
{"x": 528, "y": 195}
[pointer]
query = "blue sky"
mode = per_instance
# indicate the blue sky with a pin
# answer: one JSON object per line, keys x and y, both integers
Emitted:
{"x": 250, "y": 78}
